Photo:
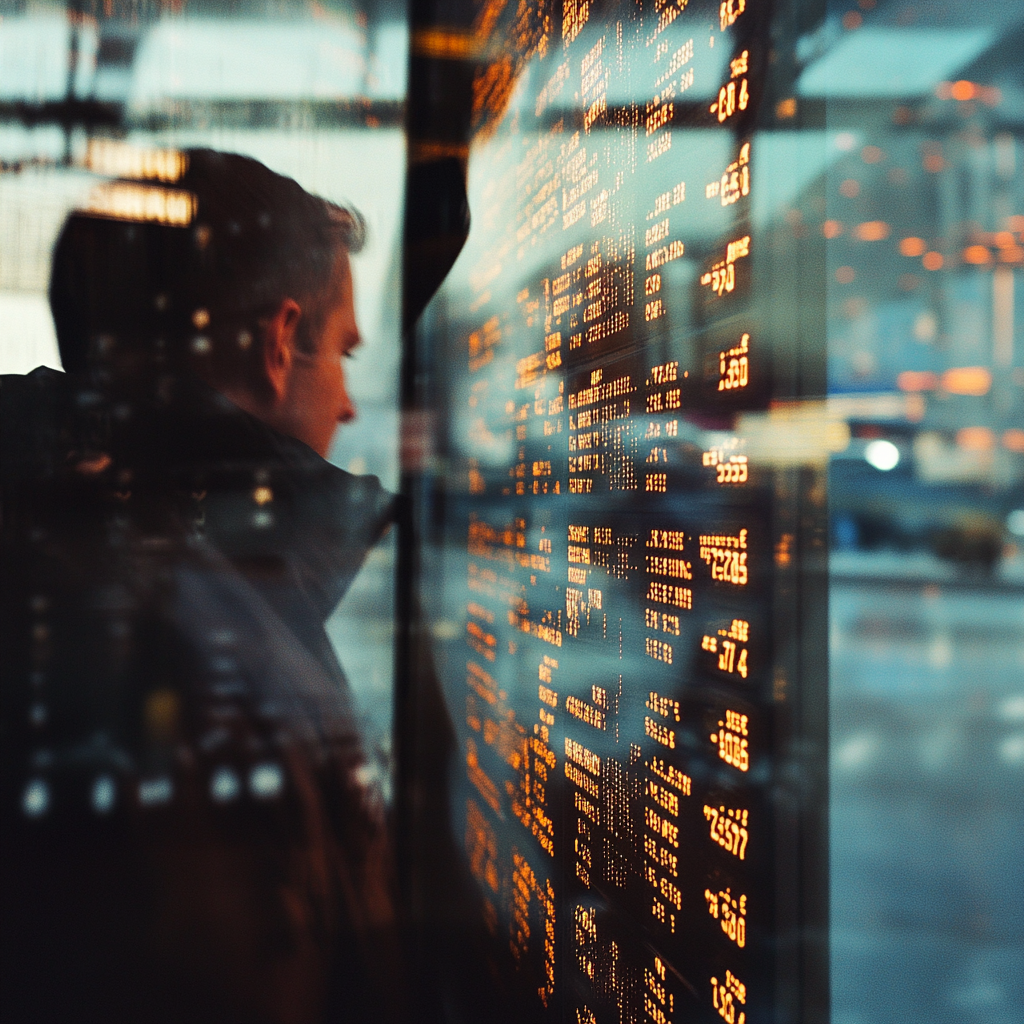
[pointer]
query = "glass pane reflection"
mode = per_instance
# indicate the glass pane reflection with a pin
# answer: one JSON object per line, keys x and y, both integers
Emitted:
{"x": 313, "y": 91}
{"x": 924, "y": 248}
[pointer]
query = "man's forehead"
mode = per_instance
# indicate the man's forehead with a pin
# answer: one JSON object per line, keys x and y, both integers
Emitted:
{"x": 342, "y": 311}
{"x": 343, "y": 268}
{"x": 343, "y": 283}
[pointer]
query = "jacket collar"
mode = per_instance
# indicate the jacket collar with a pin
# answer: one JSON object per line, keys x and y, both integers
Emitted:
{"x": 271, "y": 497}
{"x": 193, "y": 460}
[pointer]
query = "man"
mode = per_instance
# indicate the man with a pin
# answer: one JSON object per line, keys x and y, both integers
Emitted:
{"x": 184, "y": 833}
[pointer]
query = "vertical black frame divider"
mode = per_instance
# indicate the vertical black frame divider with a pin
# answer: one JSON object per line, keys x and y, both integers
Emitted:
{"x": 436, "y": 224}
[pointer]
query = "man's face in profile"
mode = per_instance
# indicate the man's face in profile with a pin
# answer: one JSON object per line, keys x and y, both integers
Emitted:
{"x": 311, "y": 397}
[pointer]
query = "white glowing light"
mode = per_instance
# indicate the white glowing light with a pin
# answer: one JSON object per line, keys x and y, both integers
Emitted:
{"x": 1012, "y": 749}
{"x": 1012, "y": 709}
{"x": 1015, "y": 522}
{"x": 36, "y": 798}
{"x": 104, "y": 793}
{"x": 224, "y": 785}
{"x": 266, "y": 781}
{"x": 883, "y": 455}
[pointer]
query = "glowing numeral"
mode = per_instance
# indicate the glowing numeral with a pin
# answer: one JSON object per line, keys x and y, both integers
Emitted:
{"x": 730, "y": 11}
{"x": 732, "y": 748}
{"x": 732, "y": 472}
{"x": 730, "y": 911}
{"x": 728, "y": 829}
{"x": 731, "y": 99}
{"x": 726, "y": 997}
{"x": 733, "y": 366}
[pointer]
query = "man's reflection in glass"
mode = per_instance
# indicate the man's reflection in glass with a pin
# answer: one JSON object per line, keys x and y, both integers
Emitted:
{"x": 187, "y": 831}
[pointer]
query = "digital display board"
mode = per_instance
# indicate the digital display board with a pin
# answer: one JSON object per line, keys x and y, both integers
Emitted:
{"x": 626, "y": 565}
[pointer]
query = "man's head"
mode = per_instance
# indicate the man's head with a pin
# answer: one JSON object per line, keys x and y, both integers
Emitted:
{"x": 253, "y": 293}
{"x": 300, "y": 377}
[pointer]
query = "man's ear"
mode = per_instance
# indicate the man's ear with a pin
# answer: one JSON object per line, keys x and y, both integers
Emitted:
{"x": 280, "y": 330}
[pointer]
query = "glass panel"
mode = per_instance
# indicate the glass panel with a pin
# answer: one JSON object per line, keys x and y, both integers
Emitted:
{"x": 900, "y": 143}
{"x": 623, "y": 522}
{"x": 924, "y": 253}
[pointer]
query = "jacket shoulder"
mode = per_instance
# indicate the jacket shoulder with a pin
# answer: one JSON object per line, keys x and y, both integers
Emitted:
{"x": 30, "y": 409}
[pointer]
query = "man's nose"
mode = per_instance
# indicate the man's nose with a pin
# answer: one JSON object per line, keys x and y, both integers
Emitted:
{"x": 347, "y": 412}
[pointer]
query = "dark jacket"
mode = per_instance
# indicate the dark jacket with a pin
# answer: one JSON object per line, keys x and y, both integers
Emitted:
{"x": 184, "y": 829}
